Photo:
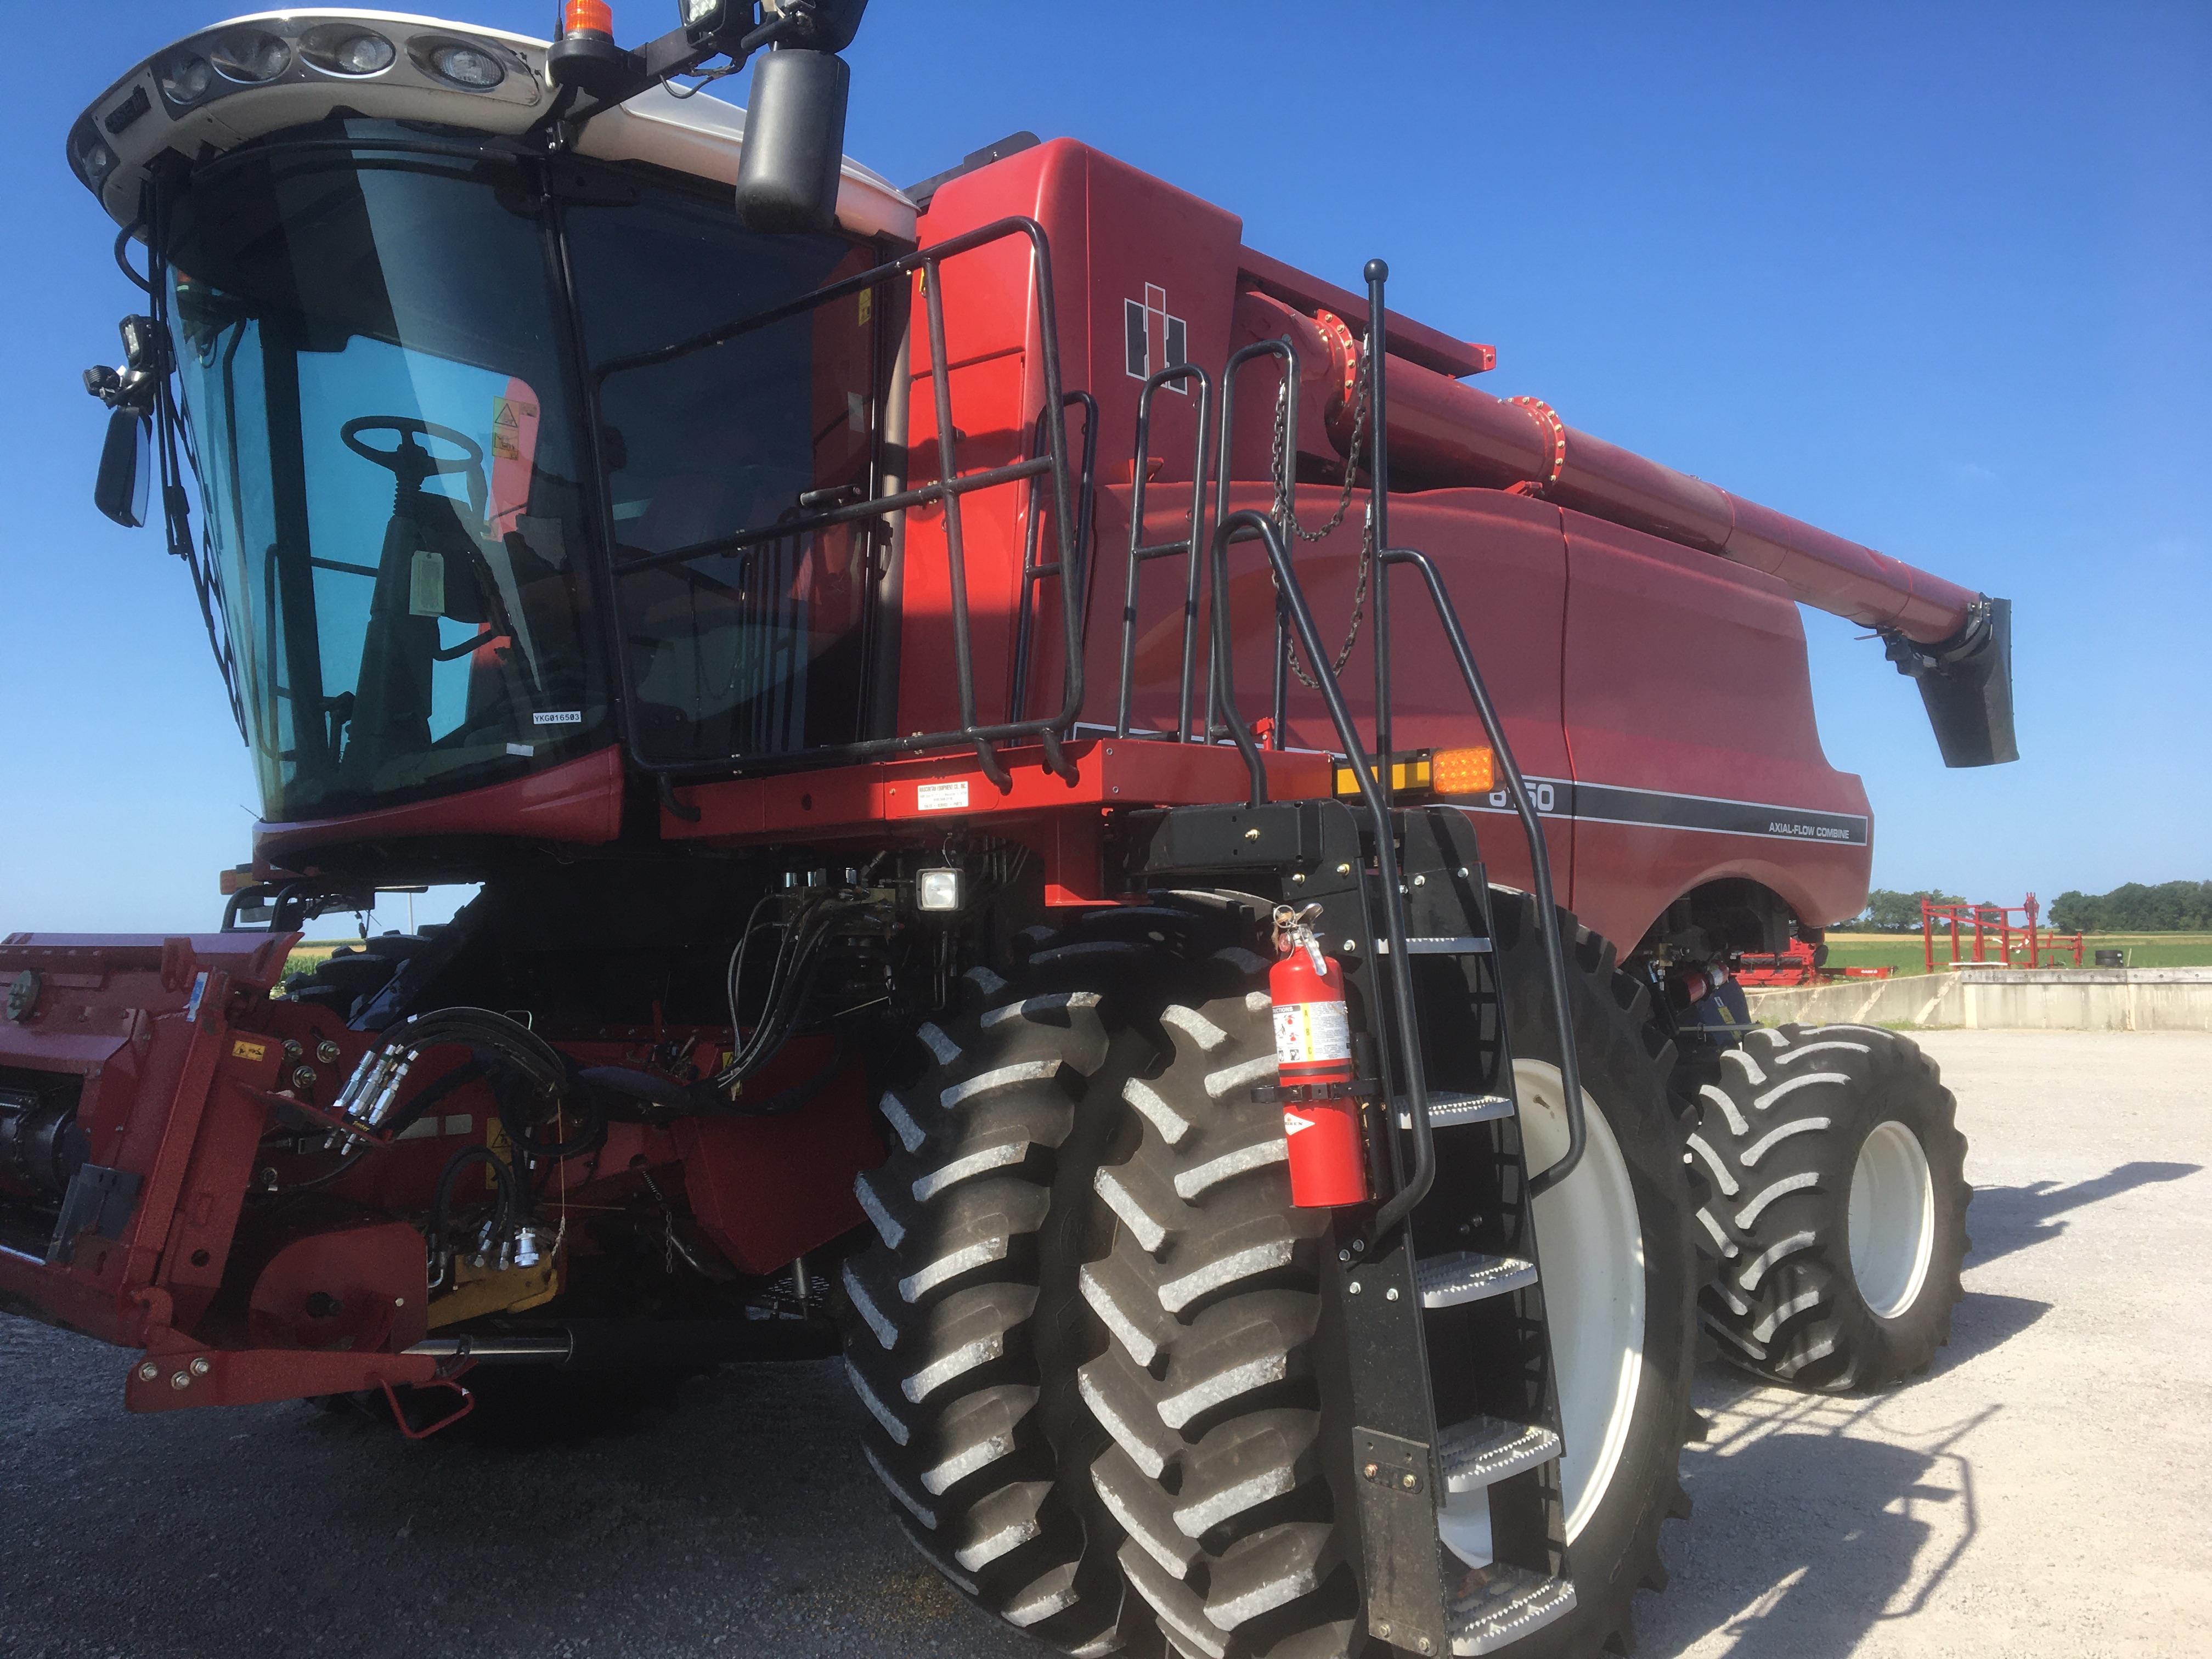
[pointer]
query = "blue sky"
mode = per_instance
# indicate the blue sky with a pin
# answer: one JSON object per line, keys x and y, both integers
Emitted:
{"x": 1934, "y": 279}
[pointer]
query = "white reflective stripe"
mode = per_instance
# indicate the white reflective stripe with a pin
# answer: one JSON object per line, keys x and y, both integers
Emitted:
{"x": 887, "y": 1226}
{"x": 1179, "y": 1293}
{"x": 1178, "y": 1409}
{"x": 1194, "y": 1024}
{"x": 1815, "y": 1047}
{"x": 877, "y": 1409}
{"x": 1751, "y": 1067}
{"x": 1141, "y": 1347}
{"x": 1765, "y": 1328}
{"x": 1762, "y": 1101}
{"x": 910, "y": 1134}
{"x": 1219, "y": 1083}
{"x": 1150, "y": 1234}
{"x": 917, "y": 1284}
{"x": 1057, "y": 1002}
{"x": 1737, "y": 1122}
{"x": 1191, "y": 1182}
{"x": 1798, "y": 1363}
{"x": 1697, "y": 1144}
{"x": 1007, "y": 1077}
{"x": 951, "y": 1174}
{"x": 886, "y": 1332}
{"x": 1797, "y": 1183}
{"x": 1750, "y": 1276}
{"x": 1171, "y": 1124}
{"x": 1757, "y": 1149}
{"x": 964, "y": 1359}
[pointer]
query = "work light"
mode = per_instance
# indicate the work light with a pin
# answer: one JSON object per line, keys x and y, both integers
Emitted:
{"x": 252, "y": 56}
{"x": 941, "y": 890}
{"x": 466, "y": 66}
{"x": 186, "y": 79}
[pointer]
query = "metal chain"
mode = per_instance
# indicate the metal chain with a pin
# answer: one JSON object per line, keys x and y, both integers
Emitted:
{"x": 1285, "y": 514}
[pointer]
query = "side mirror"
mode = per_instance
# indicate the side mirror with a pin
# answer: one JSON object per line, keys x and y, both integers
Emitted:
{"x": 126, "y": 469}
{"x": 795, "y": 141}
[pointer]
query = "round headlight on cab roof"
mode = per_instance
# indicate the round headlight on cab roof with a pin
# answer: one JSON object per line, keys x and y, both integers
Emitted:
{"x": 186, "y": 78}
{"x": 348, "y": 49}
{"x": 466, "y": 66}
{"x": 91, "y": 155}
{"x": 252, "y": 56}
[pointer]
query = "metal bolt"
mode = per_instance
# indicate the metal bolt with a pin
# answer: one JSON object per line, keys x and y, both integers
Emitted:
{"x": 1357, "y": 1245}
{"x": 1408, "y": 1481}
{"x": 268, "y": 1179}
{"x": 292, "y": 1048}
{"x": 1344, "y": 1256}
{"x": 1390, "y": 1295}
{"x": 1355, "y": 1287}
{"x": 148, "y": 1372}
{"x": 303, "y": 1077}
{"x": 1372, "y": 1470}
{"x": 1343, "y": 869}
{"x": 200, "y": 1366}
{"x": 398, "y": 1301}
{"x": 328, "y": 1052}
{"x": 1383, "y": 1630}
{"x": 1351, "y": 946}
{"x": 1420, "y": 881}
{"x": 1462, "y": 869}
{"x": 181, "y": 1380}
{"x": 1251, "y": 835}
{"x": 1423, "y": 1644}
{"x": 1298, "y": 881}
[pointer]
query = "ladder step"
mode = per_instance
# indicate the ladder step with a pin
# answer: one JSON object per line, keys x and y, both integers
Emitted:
{"x": 1448, "y": 1111}
{"x": 1445, "y": 1281}
{"x": 1433, "y": 944}
{"x": 1483, "y": 1451}
{"x": 1509, "y": 1604}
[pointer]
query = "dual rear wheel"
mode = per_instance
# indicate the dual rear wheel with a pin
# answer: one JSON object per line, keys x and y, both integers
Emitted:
{"x": 1084, "y": 1333}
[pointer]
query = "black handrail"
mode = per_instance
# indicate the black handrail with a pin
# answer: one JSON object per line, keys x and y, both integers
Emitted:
{"x": 1540, "y": 860}
{"x": 1033, "y": 572}
{"x": 1193, "y": 544}
{"x": 948, "y": 489}
{"x": 1291, "y": 602}
{"x": 1285, "y": 353}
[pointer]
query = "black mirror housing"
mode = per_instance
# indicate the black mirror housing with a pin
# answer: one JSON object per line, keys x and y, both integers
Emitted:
{"x": 126, "y": 471}
{"x": 794, "y": 149}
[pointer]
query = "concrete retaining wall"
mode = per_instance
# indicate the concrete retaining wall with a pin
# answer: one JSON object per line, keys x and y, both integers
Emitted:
{"x": 1996, "y": 999}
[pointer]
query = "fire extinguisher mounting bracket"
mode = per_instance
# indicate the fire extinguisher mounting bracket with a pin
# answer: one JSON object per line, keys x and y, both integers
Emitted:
{"x": 1297, "y": 1094}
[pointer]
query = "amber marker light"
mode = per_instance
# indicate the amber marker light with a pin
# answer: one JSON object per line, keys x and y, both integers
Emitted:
{"x": 1462, "y": 771}
{"x": 594, "y": 16}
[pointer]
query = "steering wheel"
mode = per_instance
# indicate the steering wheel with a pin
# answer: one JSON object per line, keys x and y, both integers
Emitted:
{"x": 408, "y": 461}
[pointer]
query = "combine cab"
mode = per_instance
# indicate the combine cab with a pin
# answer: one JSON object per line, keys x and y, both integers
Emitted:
{"x": 1024, "y": 759}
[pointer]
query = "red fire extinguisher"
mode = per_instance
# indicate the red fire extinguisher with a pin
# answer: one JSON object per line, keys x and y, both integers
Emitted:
{"x": 1313, "y": 1050}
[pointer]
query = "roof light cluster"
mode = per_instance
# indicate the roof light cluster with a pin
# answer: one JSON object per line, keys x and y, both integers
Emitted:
{"x": 292, "y": 55}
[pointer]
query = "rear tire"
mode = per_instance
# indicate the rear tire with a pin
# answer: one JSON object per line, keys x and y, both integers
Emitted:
{"x": 1838, "y": 1206}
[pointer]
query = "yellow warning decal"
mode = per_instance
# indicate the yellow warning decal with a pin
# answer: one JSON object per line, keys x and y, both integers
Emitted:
{"x": 241, "y": 1049}
{"x": 508, "y": 414}
{"x": 867, "y": 304}
{"x": 499, "y": 1145}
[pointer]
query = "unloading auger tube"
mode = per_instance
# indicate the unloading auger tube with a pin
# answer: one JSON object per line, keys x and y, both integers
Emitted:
{"x": 1954, "y": 642}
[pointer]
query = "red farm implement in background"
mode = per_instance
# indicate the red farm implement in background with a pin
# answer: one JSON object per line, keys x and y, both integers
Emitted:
{"x": 2021, "y": 944}
{"x": 1803, "y": 963}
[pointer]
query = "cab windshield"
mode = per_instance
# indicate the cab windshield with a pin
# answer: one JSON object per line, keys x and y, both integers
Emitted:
{"x": 379, "y": 403}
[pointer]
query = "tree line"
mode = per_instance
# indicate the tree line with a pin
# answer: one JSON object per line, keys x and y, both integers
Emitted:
{"x": 2171, "y": 907}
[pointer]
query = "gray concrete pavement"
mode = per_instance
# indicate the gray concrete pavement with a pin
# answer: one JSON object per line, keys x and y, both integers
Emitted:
{"x": 2040, "y": 1493}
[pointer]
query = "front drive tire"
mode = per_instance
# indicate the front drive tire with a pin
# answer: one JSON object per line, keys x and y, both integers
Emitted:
{"x": 1838, "y": 1206}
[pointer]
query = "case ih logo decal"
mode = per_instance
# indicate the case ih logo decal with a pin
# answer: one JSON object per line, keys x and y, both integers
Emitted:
{"x": 1608, "y": 803}
{"x": 1155, "y": 340}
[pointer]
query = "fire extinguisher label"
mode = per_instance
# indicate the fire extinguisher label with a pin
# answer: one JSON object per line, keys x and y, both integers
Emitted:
{"x": 1292, "y": 1123}
{"x": 1309, "y": 1032}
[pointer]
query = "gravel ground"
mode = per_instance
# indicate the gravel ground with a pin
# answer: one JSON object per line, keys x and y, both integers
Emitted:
{"x": 2040, "y": 1491}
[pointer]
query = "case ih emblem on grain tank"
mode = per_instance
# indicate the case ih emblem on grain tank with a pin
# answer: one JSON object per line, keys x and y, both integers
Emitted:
{"x": 1155, "y": 340}
{"x": 910, "y": 788}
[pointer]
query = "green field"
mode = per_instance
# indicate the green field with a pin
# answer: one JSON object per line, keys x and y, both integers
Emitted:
{"x": 1902, "y": 952}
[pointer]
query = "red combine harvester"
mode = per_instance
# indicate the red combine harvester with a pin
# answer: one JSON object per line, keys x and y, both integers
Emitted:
{"x": 1019, "y": 753}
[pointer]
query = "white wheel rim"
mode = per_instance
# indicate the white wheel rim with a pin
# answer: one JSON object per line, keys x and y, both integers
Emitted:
{"x": 1589, "y": 1247}
{"x": 1891, "y": 1219}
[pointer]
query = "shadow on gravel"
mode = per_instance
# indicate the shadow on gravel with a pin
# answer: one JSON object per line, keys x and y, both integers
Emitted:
{"x": 2003, "y": 1220}
{"x": 1815, "y": 1529}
